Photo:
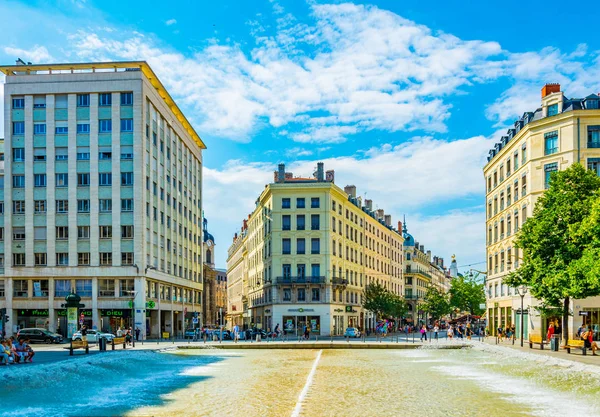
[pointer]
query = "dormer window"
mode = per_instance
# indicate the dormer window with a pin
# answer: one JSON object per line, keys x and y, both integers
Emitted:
{"x": 552, "y": 110}
{"x": 591, "y": 104}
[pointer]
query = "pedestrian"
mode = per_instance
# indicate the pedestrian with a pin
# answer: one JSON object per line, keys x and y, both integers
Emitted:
{"x": 450, "y": 332}
{"x": 588, "y": 338}
{"x": 500, "y": 332}
{"x": 550, "y": 332}
{"x": 128, "y": 336}
{"x": 580, "y": 330}
{"x": 469, "y": 332}
{"x": 137, "y": 334}
{"x": 423, "y": 333}
{"x": 436, "y": 329}
{"x": 84, "y": 333}
{"x": 119, "y": 332}
{"x": 236, "y": 331}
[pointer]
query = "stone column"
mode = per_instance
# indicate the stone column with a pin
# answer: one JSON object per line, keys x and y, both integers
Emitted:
{"x": 95, "y": 316}
{"x": 51, "y": 311}
{"x": 140, "y": 305}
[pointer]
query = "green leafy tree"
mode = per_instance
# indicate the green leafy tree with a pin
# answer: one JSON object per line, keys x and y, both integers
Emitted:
{"x": 398, "y": 307}
{"x": 466, "y": 294}
{"x": 436, "y": 303}
{"x": 560, "y": 242}
{"x": 383, "y": 303}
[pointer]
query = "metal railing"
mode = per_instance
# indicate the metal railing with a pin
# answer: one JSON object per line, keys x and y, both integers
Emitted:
{"x": 300, "y": 280}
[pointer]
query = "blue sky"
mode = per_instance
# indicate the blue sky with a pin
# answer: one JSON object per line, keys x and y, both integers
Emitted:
{"x": 401, "y": 99}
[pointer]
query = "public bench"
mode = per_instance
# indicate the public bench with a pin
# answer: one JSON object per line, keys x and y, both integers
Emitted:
{"x": 118, "y": 341}
{"x": 536, "y": 340}
{"x": 78, "y": 344}
{"x": 576, "y": 344}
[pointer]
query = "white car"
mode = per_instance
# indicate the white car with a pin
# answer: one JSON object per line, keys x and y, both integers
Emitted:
{"x": 94, "y": 335}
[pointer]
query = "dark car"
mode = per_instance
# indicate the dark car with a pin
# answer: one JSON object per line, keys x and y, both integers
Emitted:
{"x": 40, "y": 336}
{"x": 217, "y": 333}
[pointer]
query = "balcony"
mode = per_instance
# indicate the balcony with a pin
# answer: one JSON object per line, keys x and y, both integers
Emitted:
{"x": 411, "y": 297}
{"x": 300, "y": 280}
{"x": 339, "y": 281}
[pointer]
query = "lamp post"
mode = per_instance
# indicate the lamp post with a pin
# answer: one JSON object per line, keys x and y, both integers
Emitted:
{"x": 522, "y": 290}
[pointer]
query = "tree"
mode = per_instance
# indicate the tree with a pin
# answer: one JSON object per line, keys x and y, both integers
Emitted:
{"x": 559, "y": 247}
{"x": 437, "y": 303}
{"x": 466, "y": 294}
{"x": 383, "y": 302}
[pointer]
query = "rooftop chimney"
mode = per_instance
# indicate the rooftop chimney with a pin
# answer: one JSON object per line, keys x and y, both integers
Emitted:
{"x": 429, "y": 255}
{"x": 320, "y": 172}
{"x": 379, "y": 214}
{"x": 359, "y": 201}
{"x": 369, "y": 204}
{"x": 422, "y": 248}
{"x": 400, "y": 226}
{"x": 350, "y": 190}
{"x": 281, "y": 173}
{"x": 550, "y": 88}
{"x": 388, "y": 220}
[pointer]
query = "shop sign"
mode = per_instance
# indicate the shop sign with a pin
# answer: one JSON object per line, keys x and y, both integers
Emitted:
{"x": 115, "y": 313}
{"x": 301, "y": 310}
{"x": 584, "y": 313}
{"x": 150, "y": 304}
{"x": 63, "y": 313}
{"x": 34, "y": 313}
{"x": 348, "y": 309}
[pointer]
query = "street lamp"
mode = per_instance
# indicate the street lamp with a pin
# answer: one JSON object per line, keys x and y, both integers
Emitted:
{"x": 133, "y": 295}
{"x": 522, "y": 290}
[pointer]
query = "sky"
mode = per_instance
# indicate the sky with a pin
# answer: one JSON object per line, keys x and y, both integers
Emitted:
{"x": 401, "y": 99}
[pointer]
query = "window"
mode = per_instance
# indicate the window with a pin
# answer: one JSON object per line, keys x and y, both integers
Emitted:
{"x": 106, "y": 288}
{"x": 62, "y": 180}
{"x": 83, "y": 206}
{"x": 83, "y": 259}
{"x": 285, "y": 203}
{"x": 62, "y": 206}
{"x": 103, "y": 155}
{"x": 61, "y": 154}
{"x": 315, "y": 202}
{"x": 39, "y": 154}
{"x": 106, "y": 258}
{"x": 83, "y": 180}
{"x": 287, "y": 294}
{"x": 552, "y": 110}
{"x": 40, "y": 259}
{"x": 523, "y": 186}
{"x": 18, "y": 233}
{"x": 301, "y": 294}
{"x": 39, "y": 102}
{"x": 105, "y": 125}
{"x": 21, "y": 287}
{"x": 315, "y": 246}
{"x": 524, "y": 153}
{"x": 18, "y": 103}
{"x": 126, "y": 204}
{"x": 551, "y": 142}
{"x": 18, "y": 128}
{"x": 18, "y": 181}
{"x": 83, "y": 287}
{"x": 62, "y": 259}
{"x": 126, "y": 125}
{"x": 127, "y": 99}
{"x": 316, "y": 294}
{"x": 300, "y": 203}
{"x": 83, "y": 154}
{"x": 83, "y": 232}
{"x": 62, "y": 287}
{"x": 18, "y": 154}
{"x": 548, "y": 170}
{"x": 593, "y": 137}
{"x": 126, "y": 178}
{"x": 105, "y": 99}
{"x": 127, "y": 232}
{"x": 300, "y": 222}
{"x": 315, "y": 270}
{"x": 105, "y": 232}
{"x": 18, "y": 259}
{"x": 61, "y": 130}
{"x": 39, "y": 180}
{"x": 83, "y": 128}
{"x": 594, "y": 165}
{"x": 83, "y": 100}
{"x": 300, "y": 246}
{"x": 39, "y": 128}
{"x": 62, "y": 232}
{"x": 105, "y": 178}
{"x": 286, "y": 222}
{"x": 286, "y": 246}
{"x": 39, "y": 206}
{"x": 314, "y": 222}
{"x": 18, "y": 207}
{"x": 126, "y": 258}
{"x": 516, "y": 160}
{"x": 126, "y": 152}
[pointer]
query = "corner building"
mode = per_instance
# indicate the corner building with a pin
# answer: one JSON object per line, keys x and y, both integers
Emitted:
{"x": 103, "y": 197}
{"x": 305, "y": 255}
{"x": 562, "y": 131}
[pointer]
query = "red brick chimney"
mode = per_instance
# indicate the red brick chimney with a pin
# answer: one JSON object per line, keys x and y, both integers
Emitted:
{"x": 550, "y": 88}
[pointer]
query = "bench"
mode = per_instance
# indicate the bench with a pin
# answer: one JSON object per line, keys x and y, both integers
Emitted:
{"x": 118, "y": 341}
{"x": 537, "y": 340}
{"x": 78, "y": 344}
{"x": 576, "y": 344}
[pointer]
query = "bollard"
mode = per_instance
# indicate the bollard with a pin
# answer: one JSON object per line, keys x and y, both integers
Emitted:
{"x": 413, "y": 337}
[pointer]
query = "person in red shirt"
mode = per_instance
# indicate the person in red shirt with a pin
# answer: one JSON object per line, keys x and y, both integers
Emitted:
{"x": 550, "y": 332}
{"x": 588, "y": 338}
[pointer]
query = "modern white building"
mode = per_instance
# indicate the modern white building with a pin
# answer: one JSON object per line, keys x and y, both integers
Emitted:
{"x": 103, "y": 197}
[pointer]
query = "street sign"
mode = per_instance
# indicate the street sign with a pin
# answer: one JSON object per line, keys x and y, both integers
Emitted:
{"x": 348, "y": 309}
{"x": 150, "y": 304}
{"x": 584, "y": 313}
{"x": 195, "y": 320}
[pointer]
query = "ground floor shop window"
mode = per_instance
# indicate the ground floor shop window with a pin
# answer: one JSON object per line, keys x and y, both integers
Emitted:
{"x": 295, "y": 325}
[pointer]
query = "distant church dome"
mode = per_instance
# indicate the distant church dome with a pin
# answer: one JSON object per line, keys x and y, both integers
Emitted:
{"x": 207, "y": 236}
{"x": 408, "y": 239}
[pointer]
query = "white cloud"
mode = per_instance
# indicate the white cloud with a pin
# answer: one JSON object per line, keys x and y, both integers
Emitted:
{"x": 402, "y": 179}
{"x": 170, "y": 22}
{"x": 37, "y": 54}
{"x": 297, "y": 152}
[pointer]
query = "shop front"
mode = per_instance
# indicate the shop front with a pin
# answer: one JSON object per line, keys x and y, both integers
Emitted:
{"x": 38, "y": 318}
{"x": 297, "y": 319}
{"x": 113, "y": 319}
{"x": 338, "y": 322}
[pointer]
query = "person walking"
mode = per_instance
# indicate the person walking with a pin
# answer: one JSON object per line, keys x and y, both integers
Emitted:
{"x": 119, "y": 332}
{"x": 423, "y": 333}
{"x": 436, "y": 329}
{"x": 450, "y": 332}
{"x": 236, "y": 331}
{"x": 137, "y": 334}
{"x": 588, "y": 338}
{"x": 550, "y": 332}
{"x": 84, "y": 333}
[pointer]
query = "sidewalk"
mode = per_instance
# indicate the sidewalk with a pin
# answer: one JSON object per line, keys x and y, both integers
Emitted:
{"x": 574, "y": 356}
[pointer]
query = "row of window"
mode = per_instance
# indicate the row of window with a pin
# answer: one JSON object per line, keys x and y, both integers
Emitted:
{"x": 83, "y": 100}
{"x": 62, "y": 154}
{"x": 83, "y": 180}
{"x": 509, "y": 195}
{"x": 286, "y": 203}
{"x": 286, "y": 246}
{"x": 493, "y": 238}
{"x": 62, "y": 206}
{"x": 83, "y": 259}
{"x": 62, "y": 232}
{"x": 286, "y": 222}
{"x": 104, "y": 126}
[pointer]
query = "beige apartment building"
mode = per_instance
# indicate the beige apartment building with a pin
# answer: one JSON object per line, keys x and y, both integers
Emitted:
{"x": 305, "y": 254}
{"x": 103, "y": 197}
{"x": 562, "y": 131}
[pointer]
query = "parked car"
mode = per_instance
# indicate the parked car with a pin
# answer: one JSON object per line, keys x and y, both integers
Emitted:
{"x": 352, "y": 332}
{"x": 94, "y": 335}
{"x": 40, "y": 335}
{"x": 217, "y": 333}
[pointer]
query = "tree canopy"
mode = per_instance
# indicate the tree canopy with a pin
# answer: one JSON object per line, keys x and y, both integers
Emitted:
{"x": 466, "y": 294}
{"x": 436, "y": 303}
{"x": 383, "y": 302}
{"x": 560, "y": 242}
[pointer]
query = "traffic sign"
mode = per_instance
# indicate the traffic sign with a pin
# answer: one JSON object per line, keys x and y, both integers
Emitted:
{"x": 195, "y": 320}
